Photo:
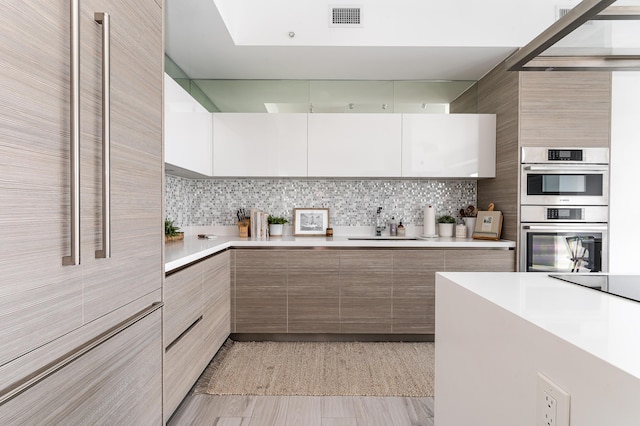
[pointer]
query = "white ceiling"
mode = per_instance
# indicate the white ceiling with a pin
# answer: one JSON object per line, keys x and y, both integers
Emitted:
{"x": 399, "y": 40}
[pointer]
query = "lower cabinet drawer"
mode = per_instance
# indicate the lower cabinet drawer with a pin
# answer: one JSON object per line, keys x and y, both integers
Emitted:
{"x": 117, "y": 382}
{"x": 182, "y": 365}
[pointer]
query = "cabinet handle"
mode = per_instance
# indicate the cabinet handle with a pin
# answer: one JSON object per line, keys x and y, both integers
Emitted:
{"x": 184, "y": 333}
{"x": 105, "y": 252}
{"x": 17, "y": 388}
{"x": 74, "y": 149}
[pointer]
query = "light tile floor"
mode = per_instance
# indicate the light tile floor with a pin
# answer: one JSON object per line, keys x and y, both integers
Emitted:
{"x": 234, "y": 410}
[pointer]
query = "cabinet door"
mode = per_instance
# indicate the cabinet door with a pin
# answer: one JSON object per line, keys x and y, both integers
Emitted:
{"x": 118, "y": 382}
{"x": 259, "y": 144}
{"x": 217, "y": 304}
{"x": 313, "y": 289}
{"x": 355, "y": 145}
{"x": 449, "y": 145}
{"x": 261, "y": 291}
{"x": 480, "y": 260}
{"x": 414, "y": 296}
{"x": 183, "y": 301}
{"x": 187, "y": 126}
{"x": 366, "y": 282}
{"x": 135, "y": 268}
{"x": 41, "y": 299}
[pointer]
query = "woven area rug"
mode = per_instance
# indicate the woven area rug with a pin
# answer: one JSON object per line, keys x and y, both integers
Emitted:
{"x": 320, "y": 369}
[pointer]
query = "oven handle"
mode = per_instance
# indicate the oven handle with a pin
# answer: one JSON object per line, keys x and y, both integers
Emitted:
{"x": 568, "y": 167}
{"x": 567, "y": 227}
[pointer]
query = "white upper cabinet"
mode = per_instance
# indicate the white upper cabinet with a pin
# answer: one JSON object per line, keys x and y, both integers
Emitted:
{"x": 449, "y": 145}
{"x": 187, "y": 130}
{"x": 355, "y": 145}
{"x": 258, "y": 144}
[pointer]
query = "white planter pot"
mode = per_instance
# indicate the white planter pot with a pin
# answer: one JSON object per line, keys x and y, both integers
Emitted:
{"x": 445, "y": 229}
{"x": 471, "y": 225}
{"x": 275, "y": 229}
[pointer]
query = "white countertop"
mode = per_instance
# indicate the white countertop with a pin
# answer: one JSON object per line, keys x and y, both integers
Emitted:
{"x": 604, "y": 325}
{"x": 192, "y": 248}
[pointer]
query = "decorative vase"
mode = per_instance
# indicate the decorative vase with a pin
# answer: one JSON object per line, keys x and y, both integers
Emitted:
{"x": 275, "y": 229}
{"x": 445, "y": 229}
{"x": 471, "y": 225}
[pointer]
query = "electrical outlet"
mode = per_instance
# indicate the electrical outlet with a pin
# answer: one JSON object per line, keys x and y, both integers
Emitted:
{"x": 553, "y": 403}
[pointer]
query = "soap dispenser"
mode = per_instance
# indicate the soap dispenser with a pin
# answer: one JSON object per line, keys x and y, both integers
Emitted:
{"x": 393, "y": 227}
{"x": 401, "y": 230}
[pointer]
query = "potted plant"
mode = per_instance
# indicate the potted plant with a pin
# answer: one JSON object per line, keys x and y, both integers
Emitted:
{"x": 276, "y": 225}
{"x": 468, "y": 216}
{"x": 445, "y": 225}
{"x": 171, "y": 231}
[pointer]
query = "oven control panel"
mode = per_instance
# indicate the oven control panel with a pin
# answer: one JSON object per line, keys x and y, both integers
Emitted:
{"x": 565, "y": 213}
{"x": 564, "y": 155}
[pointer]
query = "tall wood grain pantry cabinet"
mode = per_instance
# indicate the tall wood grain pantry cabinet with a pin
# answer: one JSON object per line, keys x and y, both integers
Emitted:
{"x": 81, "y": 244}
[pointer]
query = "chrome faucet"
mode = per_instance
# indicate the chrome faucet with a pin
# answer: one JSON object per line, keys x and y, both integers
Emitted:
{"x": 379, "y": 227}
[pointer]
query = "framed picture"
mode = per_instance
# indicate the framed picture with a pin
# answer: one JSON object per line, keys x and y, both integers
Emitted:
{"x": 310, "y": 221}
{"x": 488, "y": 225}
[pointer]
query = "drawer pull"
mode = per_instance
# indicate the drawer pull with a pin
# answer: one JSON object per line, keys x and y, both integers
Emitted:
{"x": 184, "y": 333}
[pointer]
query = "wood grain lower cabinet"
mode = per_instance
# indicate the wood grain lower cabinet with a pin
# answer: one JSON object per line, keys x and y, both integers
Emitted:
{"x": 117, "y": 382}
{"x": 414, "y": 295}
{"x": 261, "y": 291}
{"x": 347, "y": 291}
{"x": 196, "y": 322}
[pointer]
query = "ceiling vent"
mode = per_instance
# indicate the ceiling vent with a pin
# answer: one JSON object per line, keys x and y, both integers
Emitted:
{"x": 345, "y": 17}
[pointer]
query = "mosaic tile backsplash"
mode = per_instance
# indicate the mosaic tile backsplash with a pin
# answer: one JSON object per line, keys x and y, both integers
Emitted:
{"x": 207, "y": 202}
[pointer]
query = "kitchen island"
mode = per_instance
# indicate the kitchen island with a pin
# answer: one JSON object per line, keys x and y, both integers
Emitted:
{"x": 497, "y": 331}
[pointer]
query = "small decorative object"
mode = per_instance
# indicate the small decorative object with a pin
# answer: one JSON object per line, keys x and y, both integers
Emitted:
{"x": 171, "y": 232}
{"x": 445, "y": 225}
{"x": 468, "y": 216}
{"x": 488, "y": 225}
{"x": 310, "y": 221}
{"x": 461, "y": 231}
{"x": 329, "y": 232}
{"x": 244, "y": 223}
{"x": 276, "y": 225}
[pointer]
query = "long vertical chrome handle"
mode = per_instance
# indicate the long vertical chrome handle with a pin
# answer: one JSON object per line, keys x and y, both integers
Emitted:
{"x": 105, "y": 252}
{"x": 74, "y": 150}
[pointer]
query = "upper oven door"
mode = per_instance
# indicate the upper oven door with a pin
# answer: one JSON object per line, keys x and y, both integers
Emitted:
{"x": 565, "y": 184}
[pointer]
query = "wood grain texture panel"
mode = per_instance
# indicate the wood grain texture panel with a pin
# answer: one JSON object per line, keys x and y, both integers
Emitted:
{"x": 417, "y": 284}
{"x": 217, "y": 304}
{"x": 498, "y": 93}
{"x": 415, "y": 315}
{"x": 183, "y": 301}
{"x": 365, "y": 314}
{"x": 232, "y": 289}
{"x": 313, "y": 314}
{"x": 136, "y": 155}
{"x": 356, "y": 283}
{"x": 306, "y": 260}
{"x": 313, "y": 283}
{"x": 261, "y": 315}
{"x": 565, "y": 109}
{"x": 370, "y": 260}
{"x": 480, "y": 260}
{"x": 252, "y": 283}
{"x": 118, "y": 382}
{"x": 182, "y": 367}
{"x": 41, "y": 300}
{"x": 418, "y": 260}
{"x": 261, "y": 259}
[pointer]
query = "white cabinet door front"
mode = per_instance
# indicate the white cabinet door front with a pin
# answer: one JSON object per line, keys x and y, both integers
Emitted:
{"x": 256, "y": 144}
{"x": 355, "y": 145}
{"x": 187, "y": 126}
{"x": 448, "y": 145}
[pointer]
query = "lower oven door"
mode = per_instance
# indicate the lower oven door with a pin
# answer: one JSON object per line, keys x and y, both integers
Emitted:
{"x": 563, "y": 247}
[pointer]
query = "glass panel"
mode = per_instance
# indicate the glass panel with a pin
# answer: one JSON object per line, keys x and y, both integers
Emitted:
{"x": 564, "y": 252}
{"x": 563, "y": 183}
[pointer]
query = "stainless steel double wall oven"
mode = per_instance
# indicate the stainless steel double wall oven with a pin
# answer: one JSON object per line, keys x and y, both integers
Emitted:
{"x": 564, "y": 209}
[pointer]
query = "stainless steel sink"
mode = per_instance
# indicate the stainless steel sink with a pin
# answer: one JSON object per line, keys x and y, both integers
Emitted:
{"x": 383, "y": 238}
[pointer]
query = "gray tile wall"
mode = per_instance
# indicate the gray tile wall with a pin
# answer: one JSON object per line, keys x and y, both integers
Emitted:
{"x": 207, "y": 202}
